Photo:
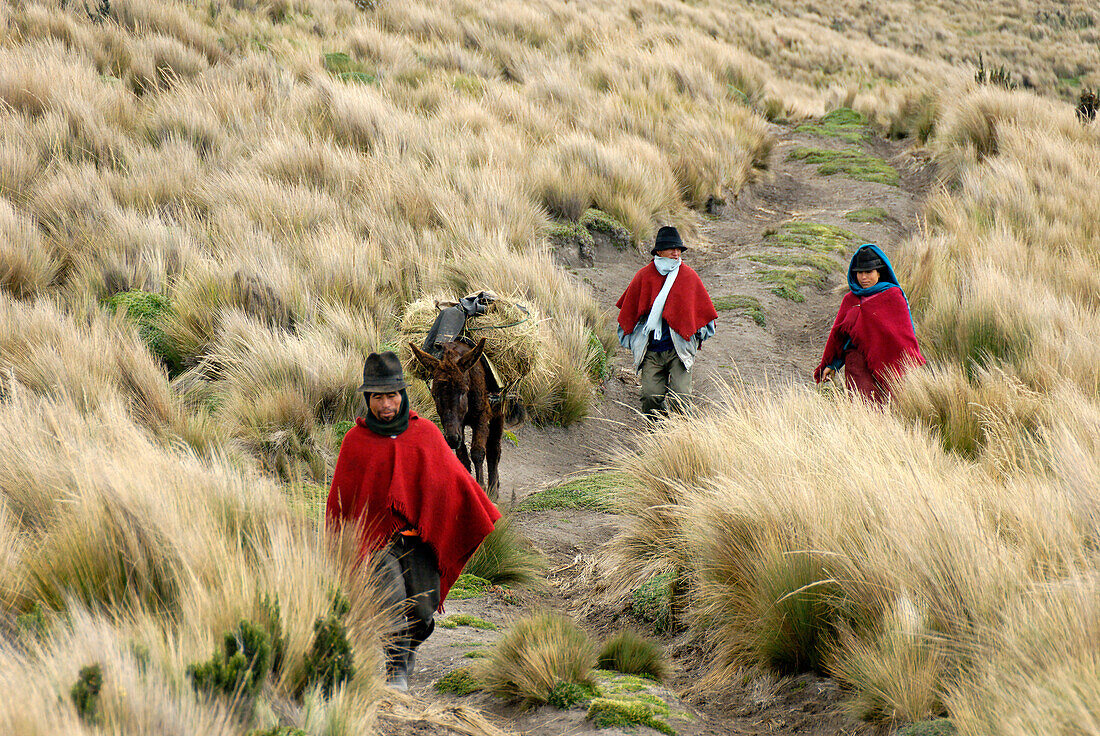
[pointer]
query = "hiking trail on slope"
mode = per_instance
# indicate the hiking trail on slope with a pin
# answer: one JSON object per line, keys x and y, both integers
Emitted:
{"x": 747, "y": 254}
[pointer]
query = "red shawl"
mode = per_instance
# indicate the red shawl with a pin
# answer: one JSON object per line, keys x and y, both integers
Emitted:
{"x": 880, "y": 328}
{"x": 414, "y": 479}
{"x": 687, "y": 309}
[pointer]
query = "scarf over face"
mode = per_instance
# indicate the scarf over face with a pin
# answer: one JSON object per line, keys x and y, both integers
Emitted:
{"x": 688, "y": 307}
{"x": 385, "y": 484}
{"x": 876, "y": 322}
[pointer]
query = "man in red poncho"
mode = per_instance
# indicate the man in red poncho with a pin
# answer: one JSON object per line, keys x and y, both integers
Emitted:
{"x": 416, "y": 508}
{"x": 664, "y": 316}
{"x": 873, "y": 336}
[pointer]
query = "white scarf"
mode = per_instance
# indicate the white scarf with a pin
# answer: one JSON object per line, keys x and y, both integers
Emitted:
{"x": 668, "y": 267}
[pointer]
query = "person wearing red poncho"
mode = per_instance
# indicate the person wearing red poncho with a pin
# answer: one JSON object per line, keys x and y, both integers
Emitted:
{"x": 873, "y": 336}
{"x": 416, "y": 509}
{"x": 665, "y": 314}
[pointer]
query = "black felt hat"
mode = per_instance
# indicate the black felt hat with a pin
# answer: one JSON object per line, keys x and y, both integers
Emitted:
{"x": 382, "y": 373}
{"x": 667, "y": 237}
{"x": 867, "y": 260}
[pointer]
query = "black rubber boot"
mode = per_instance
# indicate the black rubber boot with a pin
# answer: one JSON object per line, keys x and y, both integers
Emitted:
{"x": 397, "y": 668}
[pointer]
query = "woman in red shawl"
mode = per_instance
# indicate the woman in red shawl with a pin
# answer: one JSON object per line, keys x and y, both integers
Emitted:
{"x": 872, "y": 336}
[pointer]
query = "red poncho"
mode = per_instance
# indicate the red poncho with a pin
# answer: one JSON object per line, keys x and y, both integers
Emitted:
{"x": 414, "y": 479}
{"x": 880, "y": 328}
{"x": 687, "y": 309}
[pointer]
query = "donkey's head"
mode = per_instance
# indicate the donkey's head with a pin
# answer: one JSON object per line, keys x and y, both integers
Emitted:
{"x": 451, "y": 384}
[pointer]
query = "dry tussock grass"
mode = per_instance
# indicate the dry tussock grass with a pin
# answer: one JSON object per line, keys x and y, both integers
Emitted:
{"x": 208, "y": 155}
{"x": 128, "y": 536}
{"x": 821, "y": 534}
{"x": 214, "y": 157}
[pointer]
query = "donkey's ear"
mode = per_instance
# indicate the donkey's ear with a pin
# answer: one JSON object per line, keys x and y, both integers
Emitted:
{"x": 428, "y": 361}
{"x": 467, "y": 361}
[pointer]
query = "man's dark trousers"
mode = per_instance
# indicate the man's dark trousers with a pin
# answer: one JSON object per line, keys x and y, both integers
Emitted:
{"x": 408, "y": 583}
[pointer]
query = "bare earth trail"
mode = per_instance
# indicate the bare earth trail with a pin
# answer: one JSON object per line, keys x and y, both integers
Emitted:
{"x": 785, "y": 349}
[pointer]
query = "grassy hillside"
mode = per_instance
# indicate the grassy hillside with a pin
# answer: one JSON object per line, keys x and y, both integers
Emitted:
{"x": 210, "y": 212}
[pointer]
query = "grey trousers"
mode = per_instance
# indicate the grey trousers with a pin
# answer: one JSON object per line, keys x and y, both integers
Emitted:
{"x": 663, "y": 375}
{"x": 408, "y": 584}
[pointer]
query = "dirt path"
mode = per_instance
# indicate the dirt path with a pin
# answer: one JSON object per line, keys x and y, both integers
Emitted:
{"x": 774, "y": 340}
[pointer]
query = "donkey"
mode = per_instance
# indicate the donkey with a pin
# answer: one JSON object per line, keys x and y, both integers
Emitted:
{"x": 462, "y": 400}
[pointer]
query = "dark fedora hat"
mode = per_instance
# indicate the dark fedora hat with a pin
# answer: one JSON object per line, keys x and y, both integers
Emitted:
{"x": 867, "y": 260}
{"x": 667, "y": 237}
{"x": 382, "y": 373}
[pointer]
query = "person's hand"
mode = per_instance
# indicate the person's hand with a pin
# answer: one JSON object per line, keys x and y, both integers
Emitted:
{"x": 828, "y": 373}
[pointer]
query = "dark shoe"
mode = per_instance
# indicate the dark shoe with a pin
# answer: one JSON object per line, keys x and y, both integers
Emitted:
{"x": 398, "y": 681}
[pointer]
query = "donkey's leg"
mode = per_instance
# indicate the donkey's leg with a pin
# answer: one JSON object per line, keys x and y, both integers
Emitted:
{"x": 477, "y": 448}
{"x": 463, "y": 456}
{"x": 492, "y": 452}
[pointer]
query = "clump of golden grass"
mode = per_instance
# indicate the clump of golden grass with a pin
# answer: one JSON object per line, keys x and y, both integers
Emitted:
{"x": 629, "y": 652}
{"x": 534, "y": 655}
{"x": 126, "y": 535}
{"x": 818, "y": 534}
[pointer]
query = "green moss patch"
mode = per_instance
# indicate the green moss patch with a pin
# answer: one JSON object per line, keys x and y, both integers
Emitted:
{"x": 614, "y": 713}
{"x": 934, "y": 727}
{"x": 346, "y": 69}
{"x": 652, "y": 601}
{"x": 148, "y": 311}
{"x": 817, "y": 237}
{"x": 565, "y": 695}
{"x": 821, "y": 263}
{"x": 572, "y": 231}
{"x": 469, "y": 586}
{"x": 596, "y": 491}
{"x": 598, "y": 221}
{"x": 465, "y": 619}
{"x": 866, "y": 214}
{"x": 843, "y": 123}
{"x": 458, "y": 682}
{"x": 849, "y": 162}
{"x": 746, "y": 305}
{"x": 787, "y": 282}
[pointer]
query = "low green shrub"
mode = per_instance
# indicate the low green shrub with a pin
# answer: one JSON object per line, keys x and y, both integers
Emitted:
{"x": 652, "y": 601}
{"x": 148, "y": 311}
{"x": 33, "y": 623}
{"x": 346, "y": 69}
{"x": 469, "y": 586}
{"x": 458, "y": 682}
{"x": 631, "y": 653}
{"x": 85, "y": 692}
{"x": 595, "y": 220}
{"x": 241, "y": 666}
{"x": 329, "y": 662}
{"x": 613, "y": 713}
{"x": 564, "y": 695}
